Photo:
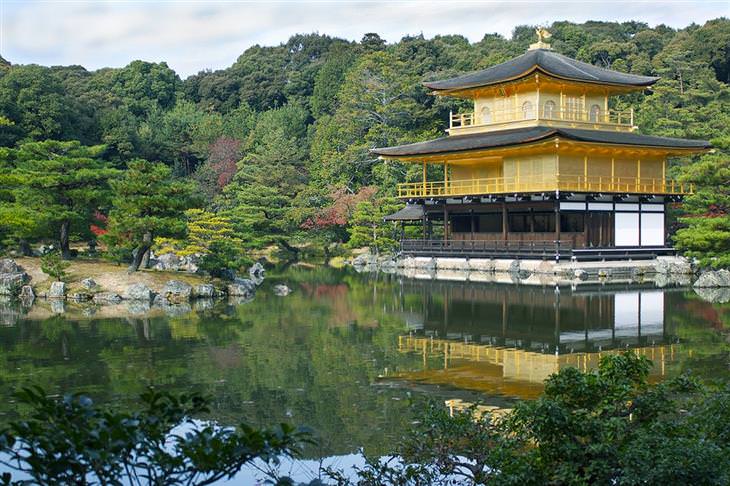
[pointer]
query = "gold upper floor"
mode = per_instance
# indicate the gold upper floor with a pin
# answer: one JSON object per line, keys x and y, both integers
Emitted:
{"x": 541, "y": 100}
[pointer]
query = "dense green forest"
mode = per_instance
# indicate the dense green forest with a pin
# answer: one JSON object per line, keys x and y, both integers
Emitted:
{"x": 274, "y": 150}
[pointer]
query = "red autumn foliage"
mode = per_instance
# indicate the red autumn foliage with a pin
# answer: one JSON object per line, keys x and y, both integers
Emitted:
{"x": 340, "y": 210}
{"x": 223, "y": 155}
{"x": 102, "y": 219}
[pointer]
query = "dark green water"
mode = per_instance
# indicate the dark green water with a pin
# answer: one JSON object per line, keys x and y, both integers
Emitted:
{"x": 345, "y": 353}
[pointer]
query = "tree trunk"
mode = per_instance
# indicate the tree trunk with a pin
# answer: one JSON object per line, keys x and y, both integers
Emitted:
{"x": 63, "y": 241}
{"x": 140, "y": 252}
{"x": 24, "y": 248}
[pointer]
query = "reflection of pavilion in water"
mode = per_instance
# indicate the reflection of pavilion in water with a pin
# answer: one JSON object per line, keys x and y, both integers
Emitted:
{"x": 506, "y": 340}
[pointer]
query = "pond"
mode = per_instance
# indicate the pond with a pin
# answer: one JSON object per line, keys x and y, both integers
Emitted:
{"x": 346, "y": 354}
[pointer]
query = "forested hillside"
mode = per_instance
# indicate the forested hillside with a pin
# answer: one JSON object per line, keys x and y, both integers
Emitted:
{"x": 274, "y": 149}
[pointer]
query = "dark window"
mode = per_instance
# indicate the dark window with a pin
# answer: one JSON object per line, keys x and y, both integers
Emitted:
{"x": 489, "y": 223}
{"x": 519, "y": 222}
{"x": 544, "y": 222}
{"x": 572, "y": 223}
{"x": 461, "y": 223}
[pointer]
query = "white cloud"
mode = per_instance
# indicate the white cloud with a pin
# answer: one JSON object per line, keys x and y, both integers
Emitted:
{"x": 195, "y": 35}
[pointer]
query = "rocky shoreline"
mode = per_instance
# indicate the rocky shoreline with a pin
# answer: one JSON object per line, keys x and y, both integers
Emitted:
{"x": 710, "y": 285}
{"x": 176, "y": 296}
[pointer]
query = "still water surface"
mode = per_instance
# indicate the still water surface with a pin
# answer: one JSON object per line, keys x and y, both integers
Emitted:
{"x": 347, "y": 353}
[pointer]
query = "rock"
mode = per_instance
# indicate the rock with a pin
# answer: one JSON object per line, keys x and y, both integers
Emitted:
{"x": 716, "y": 295}
{"x": 365, "y": 259}
{"x": 57, "y": 291}
{"x": 12, "y": 277}
{"x": 107, "y": 298}
{"x": 89, "y": 284}
{"x": 713, "y": 278}
{"x": 517, "y": 272}
{"x": 26, "y": 293}
{"x": 138, "y": 291}
{"x": 242, "y": 287}
{"x": 173, "y": 263}
{"x": 673, "y": 266}
{"x": 8, "y": 265}
{"x": 80, "y": 296}
{"x": 204, "y": 291}
{"x": 176, "y": 291}
{"x": 257, "y": 273}
{"x": 168, "y": 262}
{"x": 580, "y": 274}
{"x": 281, "y": 290}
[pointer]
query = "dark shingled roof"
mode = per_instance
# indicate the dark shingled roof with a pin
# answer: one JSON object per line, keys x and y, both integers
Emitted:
{"x": 547, "y": 61}
{"x": 411, "y": 212}
{"x": 518, "y": 136}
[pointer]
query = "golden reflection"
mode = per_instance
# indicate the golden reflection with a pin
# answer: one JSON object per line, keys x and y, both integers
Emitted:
{"x": 509, "y": 371}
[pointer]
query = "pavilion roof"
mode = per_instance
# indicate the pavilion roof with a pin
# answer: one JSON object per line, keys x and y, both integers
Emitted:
{"x": 544, "y": 60}
{"x": 520, "y": 136}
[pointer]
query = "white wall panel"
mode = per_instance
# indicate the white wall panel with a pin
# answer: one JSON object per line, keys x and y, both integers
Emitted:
{"x": 626, "y": 229}
{"x": 652, "y": 229}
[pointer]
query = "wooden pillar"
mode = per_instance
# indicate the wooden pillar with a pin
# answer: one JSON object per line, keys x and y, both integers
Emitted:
{"x": 471, "y": 220}
{"x": 446, "y": 222}
{"x": 532, "y": 222}
{"x": 587, "y": 220}
{"x": 425, "y": 222}
{"x": 424, "y": 178}
{"x": 557, "y": 220}
{"x": 504, "y": 220}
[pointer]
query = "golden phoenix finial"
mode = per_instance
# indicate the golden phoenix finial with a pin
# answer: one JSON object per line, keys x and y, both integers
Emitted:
{"x": 542, "y": 34}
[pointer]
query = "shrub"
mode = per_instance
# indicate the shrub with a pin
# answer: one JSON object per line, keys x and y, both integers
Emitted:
{"x": 53, "y": 266}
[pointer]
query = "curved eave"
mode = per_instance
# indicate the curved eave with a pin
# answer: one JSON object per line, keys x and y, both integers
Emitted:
{"x": 535, "y": 68}
{"x": 420, "y": 151}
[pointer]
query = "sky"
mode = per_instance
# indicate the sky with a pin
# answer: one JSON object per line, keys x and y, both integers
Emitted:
{"x": 195, "y": 35}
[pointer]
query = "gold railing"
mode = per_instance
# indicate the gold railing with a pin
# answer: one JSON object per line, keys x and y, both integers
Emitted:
{"x": 611, "y": 117}
{"x": 511, "y": 185}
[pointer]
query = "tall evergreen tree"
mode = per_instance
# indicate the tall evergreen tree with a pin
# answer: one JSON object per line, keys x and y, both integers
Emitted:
{"x": 148, "y": 203}
{"x": 59, "y": 185}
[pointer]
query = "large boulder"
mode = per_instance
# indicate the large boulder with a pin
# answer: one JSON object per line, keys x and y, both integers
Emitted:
{"x": 713, "y": 278}
{"x": 138, "y": 291}
{"x": 204, "y": 291}
{"x": 673, "y": 266}
{"x": 257, "y": 273}
{"x": 176, "y": 291}
{"x": 57, "y": 291}
{"x": 26, "y": 294}
{"x": 12, "y": 277}
{"x": 167, "y": 262}
{"x": 242, "y": 287}
{"x": 89, "y": 284}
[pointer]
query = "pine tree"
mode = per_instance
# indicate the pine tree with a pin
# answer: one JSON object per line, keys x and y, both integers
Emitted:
{"x": 148, "y": 203}
{"x": 367, "y": 227}
{"x": 58, "y": 185}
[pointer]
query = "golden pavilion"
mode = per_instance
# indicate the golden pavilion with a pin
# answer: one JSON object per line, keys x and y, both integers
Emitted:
{"x": 542, "y": 167}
